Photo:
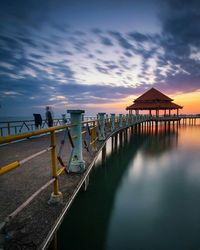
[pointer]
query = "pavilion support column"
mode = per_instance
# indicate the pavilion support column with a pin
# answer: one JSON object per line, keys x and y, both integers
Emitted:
{"x": 177, "y": 112}
{"x": 157, "y": 112}
{"x": 165, "y": 112}
{"x": 169, "y": 112}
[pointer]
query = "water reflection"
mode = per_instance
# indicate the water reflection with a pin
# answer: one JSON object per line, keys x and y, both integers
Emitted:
{"x": 144, "y": 195}
{"x": 160, "y": 139}
{"x": 97, "y": 203}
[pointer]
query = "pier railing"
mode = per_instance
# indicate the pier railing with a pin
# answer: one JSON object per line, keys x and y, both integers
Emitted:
{"x": 20, "y": 126}
{"x": 77, "y": 131}
{"x": 57, "y": 166}
{"x": 81, "y": 134}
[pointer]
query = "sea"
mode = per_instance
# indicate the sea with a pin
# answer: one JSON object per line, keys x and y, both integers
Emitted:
{"x": 145, "y": 195}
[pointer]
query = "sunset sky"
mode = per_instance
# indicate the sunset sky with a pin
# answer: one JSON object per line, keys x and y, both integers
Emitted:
{"x": 97, "y": 55}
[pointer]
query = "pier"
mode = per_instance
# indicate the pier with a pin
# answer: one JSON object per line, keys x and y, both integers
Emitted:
{"x": 43, "y": 171}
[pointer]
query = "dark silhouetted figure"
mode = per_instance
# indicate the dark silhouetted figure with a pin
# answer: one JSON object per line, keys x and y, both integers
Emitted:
{"x": 49, "y": 117}
{"x": 38, "y": 120}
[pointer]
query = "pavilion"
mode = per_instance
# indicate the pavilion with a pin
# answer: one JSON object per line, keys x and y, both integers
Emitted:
{"x": 154, "y": 100}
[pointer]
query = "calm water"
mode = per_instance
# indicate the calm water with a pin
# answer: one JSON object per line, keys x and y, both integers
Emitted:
{"x": 145, "y": 196}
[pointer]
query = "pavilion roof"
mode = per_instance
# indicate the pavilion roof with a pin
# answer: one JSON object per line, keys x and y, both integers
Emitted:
{"x": 153, "y": 95}
{"x": 153, "y": 105}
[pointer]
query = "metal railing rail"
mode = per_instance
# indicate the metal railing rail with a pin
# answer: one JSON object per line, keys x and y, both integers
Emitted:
{"x": 20, "y": 126}
{"x": 15, "y": 127}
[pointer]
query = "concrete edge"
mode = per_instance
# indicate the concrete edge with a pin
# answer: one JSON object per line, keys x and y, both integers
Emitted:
{"x": 49, "y": 237}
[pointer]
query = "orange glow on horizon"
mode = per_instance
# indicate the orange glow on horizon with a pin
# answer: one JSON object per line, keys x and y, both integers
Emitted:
{"x": 189, "y": 101}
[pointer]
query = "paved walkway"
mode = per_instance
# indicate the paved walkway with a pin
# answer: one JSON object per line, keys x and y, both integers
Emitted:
{"x": 31, "y": 226}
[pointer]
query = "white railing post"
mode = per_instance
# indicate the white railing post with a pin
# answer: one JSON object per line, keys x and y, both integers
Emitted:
{"x": 132, "y": 119}
{"x": 101, "y": 135}
{"x": 127, "y": 119}
{"x": 77, "y": 164}
{"x": 112, "y": 119}
{"x": 120, "y": 120}
{"x": 64, "y": 120}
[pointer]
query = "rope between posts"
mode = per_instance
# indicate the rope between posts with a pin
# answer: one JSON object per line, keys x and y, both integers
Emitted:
{"x": 23, "y": 205}
{"x": 16, "y": 164}
{"x": 35, "y": 155}
{"x": 85, "y": 133}
{"x": 65, "y": 166}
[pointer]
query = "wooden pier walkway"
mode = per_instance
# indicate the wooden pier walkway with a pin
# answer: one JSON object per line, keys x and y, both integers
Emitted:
{"x": 33, "y": 223}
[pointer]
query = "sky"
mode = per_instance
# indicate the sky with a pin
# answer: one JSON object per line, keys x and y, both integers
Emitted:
{"x": 97, "y": 55}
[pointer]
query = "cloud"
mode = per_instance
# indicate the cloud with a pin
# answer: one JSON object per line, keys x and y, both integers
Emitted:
{"x": 62, "y": 69}
{"x": 106, "y": 41}
{"x": 101, "y": 69}
{"x": 110, "y": 65}
{"x": 128, "y": 54}
{"x": 123, "y": 42}
{"x": 180, "y": 33}
{"x": 11, "y": 93}
{"x": 139, "y": 37}
{"x": 36, "y": 56}
{"x": 28, "y": 42}
{"x": 97, "y": 31}
{"x": 42, "y": 55}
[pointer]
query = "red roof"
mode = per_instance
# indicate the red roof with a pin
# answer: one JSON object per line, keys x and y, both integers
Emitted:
{"x": 153, "y": 95}
{"x": 154, "y": 105}
{"x": 153, "y": 99}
